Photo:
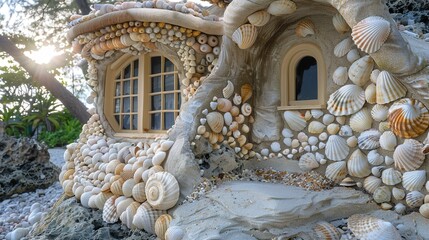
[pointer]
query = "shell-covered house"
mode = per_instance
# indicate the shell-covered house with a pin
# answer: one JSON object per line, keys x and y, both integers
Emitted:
{"x": 331, "y": 86}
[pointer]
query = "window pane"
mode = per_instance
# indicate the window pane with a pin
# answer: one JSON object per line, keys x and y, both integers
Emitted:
{"x": 126, "y": 121}
{"x": 168, "y": 120}
{"x": 135, "y": 86}
{"x": 168, "y": 67}
{"x": 126, "y": 88}
{"x": 156, "y": 102}
{"x": 155, "y": 65}
{"x": 136, "y": 68}
{"x": 155, "y": 122}
{"x": 118, "y": 76}
{"x": 169, "y": 101}
{"x": 306, "y": 79}
{"x": 117, "y": 118}
{"x": 169, "y": 82}
{"x": 126, "y": 105}
{"x": 117, "y": 105}
{"x": 135, "y": 104}
{"x": 118, "y": 89}
{"x": 127, "y": 71}
{"x": 156, "y": 84}
{"x": 134, "y": 121}
{"x": 179, "y": 101}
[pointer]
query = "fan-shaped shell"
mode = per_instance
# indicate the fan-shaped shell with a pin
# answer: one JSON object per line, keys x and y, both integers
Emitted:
{"x": 414, "y": 199}
{"x": 346, "y": 100}
{"x": 246, "y": 109}
{"x": 370, "y": 94}
{"x": 340, "y": 24}
{"x": 369, "y": 139}
{"x": 146, "y": 217}
{"x": 374, "y": 158}
{"x": 370, "y": 33}
{"x": 295, "y": 120}
{"x": 361, "y": 120}
{"x": 246, "y": 92}
{"x": 259, "y": 18}
{"x": 388, "y": 141}
{"x": 408, "y": 118}
{"x": 316, "y": 127}
{"x": 128, "y": 215}
{"x": 162, "y": 190}
{"x": 382, "y": 194}
{"x": 245, "y": 36}
{"x": 340, "y": 76}
{"x": 358, "y": 165}
{"x": 368, "y": 227}
{"x": 343, "y": 47}
{"x": 408, "y": 156}
{"x": 336, "y": 171}
{"x": 389, "y": 88}
{"x": 215, "y": 121}
{"x": 307, "y": 162}
{"x": 336, "y": 148}
{"x": 325, "y": 231}
{"x": 228, "y": 90}
{"x": 224, "y": 105}
{"x": 281, "y": 7}
{"x": 109, "y": 210}
{"x": 305, "y": 28}
{"x": 360, "y": 70}
{"x": 414, "y": 180}
{"x": 391, "y": 176}
{"x": 379, "y": 112}
{"x": 161, "y": 225}
{"x": 371, "y": 183}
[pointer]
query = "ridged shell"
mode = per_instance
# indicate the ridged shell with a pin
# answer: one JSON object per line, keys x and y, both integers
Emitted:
{"x": 408, "y": 156}
{"x": 128, "y": 215}
{"x": 307, "y": 162}
{"x": 336, "y": 148}
{"x": 146, "y": 217}
{"x": 379, "y": 112}
{"x": 343, "y": 47}
{"x": 408, "y": 118}
{"x": 371, "y": 228}
{"x": 340, "y": 24}
{"x": 138, "y": 192}
{"x": 295, "y": 120}
{"x": 382, "y": 194}
{"x": 389, "y": 88}
{"x": 174, "y": 233}
{"x": 223, "y": 105}
{"x": 398, "y": 193}
{"x": 369, "y": 139}
{"x": 246, "y": 109}
{"x": 336, "y": 171}
{"x": 161, "y": 225}
{"x": 360, "y": 70}
{"x": 325, "y": 231}
{"x": 316, "y": 127}
{"x": 121, "y": 205}
{"x": 361, "y": 120}
{"x": 374, "y": 158}
{"x": 259, "y": 18}
{"x": 391, "y": 176}
{"x": 245, "y": 36}
{"x": 414, "y": 180}
{"x": 340, "y": 76}
{"x": 215, "y": 121}
{"x": 414, "y": 199}
{"x": 346, "y": 100}
{"x": 162, "y": 190}
{"x": 246, "y": 92}
{"x": 281, "y": 7}
{"x": 371, "y": 183}
{"x": 228, "y": 90}
{"x": 370, "y": 33}
{"x": 109, "y": 211}
{"x": 358, "y": 165}
{"x": 305, "y": 28}
{"x": 388, "y": 141}
{"x": 370, "y": 94}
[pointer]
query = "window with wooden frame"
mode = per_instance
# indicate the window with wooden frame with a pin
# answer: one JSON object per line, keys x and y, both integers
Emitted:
{"x": 142, "y": 95}
{"x": 303, "y": 78}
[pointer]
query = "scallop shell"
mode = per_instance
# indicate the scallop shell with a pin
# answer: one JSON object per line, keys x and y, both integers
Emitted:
{"x": 346, "y": 100}
{"x": 360, "y": 70}
{"x": 246, "y": 109}
{"x": 368, "y": 227}
{"x": 336, "y": 148}
{"x": 295, "y": 120}
{"x": 371, "y": 183}
{"x": 228, "y": 90}
{"x": 325, "y": 231}
{"x": 369, "y": 139}
{"x": 340, "y": 76}
{"x": 398, "y": 193}
{"x": 245, "y": 36}
{"x": 340, "y": 24}
{"x": 223, "y": 105}
{"x": 161, "y": 225}
{"x": 343, "y": 47}
{"x": 391, "y": 176}
{"x": 414, "y": 180}
{"x": 246, "y": 92}
{"x": 305, "y": 28}
{"x": 382, "y": 194}
{"x": 408, "y": 156}
{"x": 370, "y": 33}
{"x": 415, "y": 199}
{"x": 358, "y": 165}
{"x": 162, "y": 190}
{"x": 138, "y": 192}
{"x": 109, "y": 211}
{"x": 336, "y": 171}
{"x": 146, "y": 217}
{"x": 215, "y": 121}
{"x": 316, "y": 127}
{"x": 259, "y": 18}
{"x": 281, "y": 7}
{"x": 371, "y": 94}
{"x": 389, "y": 88}
{"x": 388, "y": 141}
{"x": 379, "y": 112}
{"x": 307, "y": 162}
{"x": 174, "y": 233}
{"x": 361, "y": 120}
{"x": 128, "y": 215}
{"x": 408, "y": 118}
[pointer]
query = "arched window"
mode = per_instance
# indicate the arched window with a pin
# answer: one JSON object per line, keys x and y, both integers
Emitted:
{"x": 303, "y": 78}
{"x": 142, "y": 95}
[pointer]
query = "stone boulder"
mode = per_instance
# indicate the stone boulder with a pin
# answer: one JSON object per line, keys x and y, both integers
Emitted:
{"x": 24, "y": 166}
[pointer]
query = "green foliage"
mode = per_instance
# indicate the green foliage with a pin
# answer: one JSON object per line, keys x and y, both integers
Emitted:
{"x": 67, "y": 132}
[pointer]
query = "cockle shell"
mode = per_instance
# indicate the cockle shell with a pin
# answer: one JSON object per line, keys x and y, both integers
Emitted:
{"x": 379, "y": 112}
{"x": 281, "y": 7}
{"x": 374, "y": 158}
{"x": 382, "y": 194}
{"x": 360, "y": 70}
{"x": 370, "y": 94}
{"x": 246, "y": 109}
{"x": 408, "y": 156}
{"x": 325, "y": 230}
{"x": 215, "y": 121}
{"x": 371, "y": 183}
{"x": 246, "y": 92}
{"x": 316, "y": 127}
{"x": 146, "y": 217}
{"x": 162, "y": 190}
{"x": 408, "y": 118}
{"x": 116, "y": 187}
{"x": 305, "y": 28}
{"x": 391, "y": 176}
{"x": 371, "y": 228}
{"x": 307, "y": 162}
{"x": 369, "y": 139}
{"x": 346, "y": 100}
{"x": 340, "y": 76}
{"x": 343, "y": 47}
{"x": 358, "y": 165}
{"x": 340, "y": 24}
{"x": 109, "y": 210}
{"x": 370, "y": 33}
{"x": 245, "y": 36}
{"x": 295, "y": 120}
{"x": 414, "y": 199}
{"x": 389, "y": 88}
{"x": 174, "y": 233}
{"x": 336, "y": 148}
{"x": 228, "y": 90}
{"x": 162, "y": 224}
{"x": 398, "y": 193}
{"x": 414, "y": 180}
{"x": 259, "y": 18}
{"x": 336, "y": 171}
{"x": 361, "y": 120}
{"x": 388, "y": 141}
{"x": 138, "y": 192}
{"x": 223, "y": 105}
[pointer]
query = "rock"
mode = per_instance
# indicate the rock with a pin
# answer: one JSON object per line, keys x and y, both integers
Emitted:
{"x": 220, "y": 161}
{"x": 22, "y": 163}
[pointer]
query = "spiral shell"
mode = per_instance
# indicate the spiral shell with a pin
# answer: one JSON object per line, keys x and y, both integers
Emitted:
{"x": 245, "y": 36}
{"x": 128, "y": 215}
{"x": 336, "y": 171}
{"x": 215, "y": 121}
{"x": 370, "y": 94}
{"x": 340, "y": 24}
{"x": 336, "y": 148}
{"x": 369, "y": 139}
{"x": 295, "y": 120}
{"x": 162, "y": 190}
{"x": 368, "y": 227}
{"x": 414, "y": 199}
{"x": 340, "y": 76}
{"x": 281, "y": 7}
{"x": 343, "y": 47}
{"x": 382, "y": 194}
{"x": 389, "y": 88}
{"x": 307, "y": 162}
{"x": 360, "y": 70}
{"x": 346, "y": 100}
{"x": 236, "y": 100}
{"x": 408, "y": 118}
{"x": 109, "y": 211}
{"x": 391, "y": 176}
{"x": 228, "y": 90}
{"x": 246, "y": 92}
{"x": 246, "y": 109}
{"x": 146, "y": 217}
{"x": 305, "y": 28}
{"x": 361, "y": 120}
{"x": 388, "y": 141}
{"x": 259, "y": 18}
{"x": 161, "y": 225}
{"x": 358, "y": 165}
{"x": 325, "y": 230}
{"x": 414, "y": 180}
{"x": 370, "y": 33}
{"x": 224, "y": 105}
{"x": 408, "y": 156}
{"x": 371, "y": 183}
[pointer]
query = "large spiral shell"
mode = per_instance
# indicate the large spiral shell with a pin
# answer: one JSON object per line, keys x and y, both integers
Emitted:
{"x": 408, "y": 118}
{"x": 162, "y": 190}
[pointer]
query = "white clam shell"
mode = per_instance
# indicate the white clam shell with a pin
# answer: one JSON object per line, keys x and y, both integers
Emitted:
{"x": 414, "y": 199}
{"x": 281, "y": 7}
{"x": 346, "y": 100}
{"x": 316, "y": 127}
{"x": 316, "y": 113}
{"x": 358, "y": 165}
{"x": 370, "y": 33}
{"x": 305, "y": 28}
{"x": 307, "y": 162}
{"x": 227, "y": 118}
{"x": 228, "y": 90}
{"x": 361, "y": 120}
{"x": 259, "y": 18}
{"x": 159, "y": 158}
{"x": 408, "y": 156}
{"x": 162, "y": 190}
{"x": 379, "y": 112}
{"x": 374, "y": 158}
{"x": 368, "y": 227}
{"x": 424, "y": 210}
{"x": 400, "y": 208}
{"x": 391, "y": 176}
{"x": 340, "y": 24}
{"x": 414, "y": 180}
{"x": 336, "y": 171}
{"x": 174, "y": 233}
{"x": 389, "y": 88}
{"x": 371, "y": 183}
{"x": 408, "y": 118}
{"x": 388, "y": 141}
{"x": 215, "y": 121}
{"x": 360, "y": 70}
{"x": 371, "y": 94}
{"x": 146, "y": 217}
{"x": 336, "y": 148}
{"x": 343, "y": 47}
{"x": 398, "y": 193}
{"x": 245, "y": 36}
{"x": 295, "y": 120}
{"x": 369, "y": 139}
{"x": 382, "y": 194}
{"x": 340, "y": 76}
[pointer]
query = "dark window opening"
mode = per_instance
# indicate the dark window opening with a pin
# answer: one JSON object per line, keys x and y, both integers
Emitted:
{"x": 306, "y": 79}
